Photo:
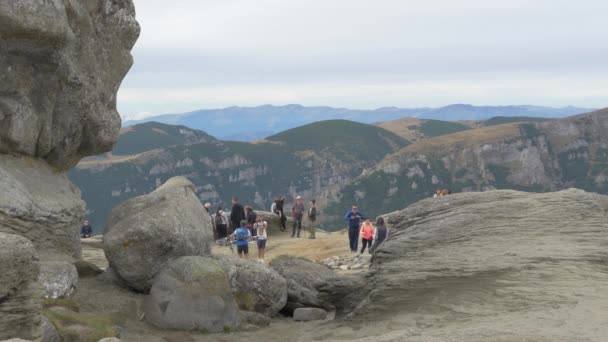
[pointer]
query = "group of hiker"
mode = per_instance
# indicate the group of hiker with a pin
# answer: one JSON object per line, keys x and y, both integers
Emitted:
{"x": 359, "y": 225}
{"x": 243, "y": 224}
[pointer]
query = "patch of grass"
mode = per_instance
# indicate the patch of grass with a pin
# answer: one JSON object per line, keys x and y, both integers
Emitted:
{"x": 500, "y": 120}
{"x": 77, "y": 327}
{"x": 61, "y": 302}
{"x": 435, "y": 128}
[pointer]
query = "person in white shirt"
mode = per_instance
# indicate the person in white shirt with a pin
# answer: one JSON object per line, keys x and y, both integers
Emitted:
{"x": 261, "y": 227}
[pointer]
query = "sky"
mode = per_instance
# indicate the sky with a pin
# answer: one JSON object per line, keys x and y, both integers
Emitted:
{"x": 200, "y": 54}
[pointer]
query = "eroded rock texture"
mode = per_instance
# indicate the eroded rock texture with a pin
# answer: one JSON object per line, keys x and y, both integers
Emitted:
{"x": 62, "y": 63}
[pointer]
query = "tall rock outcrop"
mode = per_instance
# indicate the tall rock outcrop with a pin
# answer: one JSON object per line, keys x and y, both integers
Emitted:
{"x": 61, "y": 64}
{"x": 497, "y": 263}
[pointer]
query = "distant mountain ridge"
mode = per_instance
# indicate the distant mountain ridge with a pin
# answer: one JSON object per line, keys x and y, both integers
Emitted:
{"x": 253, "y": 123}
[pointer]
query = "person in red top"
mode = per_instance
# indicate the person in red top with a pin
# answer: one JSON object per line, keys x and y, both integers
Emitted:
{"x": 367, "y": 235}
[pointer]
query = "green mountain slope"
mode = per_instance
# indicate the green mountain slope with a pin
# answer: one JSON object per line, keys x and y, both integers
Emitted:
{"x": 152, "y": 135}
{"x": 538, "y": 156}
{"x": 313, "y": 161}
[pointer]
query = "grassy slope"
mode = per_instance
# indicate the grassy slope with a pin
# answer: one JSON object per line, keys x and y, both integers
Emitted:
{"x": 152, "y": 135}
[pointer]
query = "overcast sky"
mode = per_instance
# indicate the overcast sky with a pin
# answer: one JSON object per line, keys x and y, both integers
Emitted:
{"x": 197, "y": 54}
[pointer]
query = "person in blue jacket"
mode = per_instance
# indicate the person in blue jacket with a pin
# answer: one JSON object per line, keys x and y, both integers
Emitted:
{"x": 354, "y": 218}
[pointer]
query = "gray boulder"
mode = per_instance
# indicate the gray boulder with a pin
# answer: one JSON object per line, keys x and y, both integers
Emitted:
{"x": 302, "y": 276}
{"x": 274, "y": 221}
{"x": 41, "y": 205}
{"x": 192, "y": 293}
{"x": 255, "y": 286}
{"x": 146, "y": 232}
{"x": 309, "y": 314}
{"x": 62, "y": 63}
{"x": 19, "y": 291}
{"x": 49, "y": 332}
{"x": 87, "y": 269}
{"x": 109, "y": 339}
{"x": 58, "y": 279}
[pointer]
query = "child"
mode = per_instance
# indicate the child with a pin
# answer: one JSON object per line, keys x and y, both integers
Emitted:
{"x": 261, "y": 226}
{"x": 242, "y": 235}
{"x": 367, "y": 235}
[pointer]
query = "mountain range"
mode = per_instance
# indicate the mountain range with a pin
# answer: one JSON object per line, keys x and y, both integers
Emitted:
{"x": 381, "y": 167}
{"x": 252, "y": 123}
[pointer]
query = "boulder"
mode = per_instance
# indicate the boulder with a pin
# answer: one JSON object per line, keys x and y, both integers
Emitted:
{"x": 109, "y": 339}
{"x": 49, "y": 332}
{"x": 19, "y": 291}
{"x": 146, "y": 232}
{"x": 302, "y": 275}
{"x": 41, "y": 205}
{"x": 62, "y": 63}
{"x": 255, "y": 286}
{"x": 255, "y": 319}
{"x": 87, "y": 269}
{"x": 494, "y": 263}
{"x": 309, "y": 314}
{"x": 344, "y": 292}
{"x": 192, "y": 293}
{"x": 274, "y": 221}
{"x": 58, "y": 279}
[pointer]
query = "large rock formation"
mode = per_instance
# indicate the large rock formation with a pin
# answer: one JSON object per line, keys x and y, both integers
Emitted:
{"x": 19, "y": 291}
{"x": 493, "y": 264}
{"x": 62, "y": 63}
{"x": 255, "y": 286}
{"x": 148, "y": 231}
{"x": 302, "y": 276}
{"x": 40, "y": 204}
{"x": 192, "y": 293}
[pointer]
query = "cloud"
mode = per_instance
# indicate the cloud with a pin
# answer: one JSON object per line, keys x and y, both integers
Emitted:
{"x": 361, "y": 53}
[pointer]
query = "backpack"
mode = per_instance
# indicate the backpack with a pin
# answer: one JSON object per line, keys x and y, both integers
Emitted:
{"x": 219, "y": 219}
{"x": 241, "y": 234}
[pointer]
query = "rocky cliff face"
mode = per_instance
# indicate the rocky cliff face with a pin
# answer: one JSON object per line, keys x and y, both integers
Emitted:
{"x": 494, "y": 264}
{"x": 541, "y": 156}
{"x": 62, "y": 63}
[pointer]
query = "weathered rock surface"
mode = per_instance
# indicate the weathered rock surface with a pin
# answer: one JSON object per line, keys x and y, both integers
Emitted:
{"x": 86, "y": 269}
{"x": 274, "y": 221}
{"x": 40, "y": 204}
{"x": 19, "y": 291}
{"x": 192, "y": 293}
{"x": 309, "y": 314}
{"x": 58, "y": 279}
{"x": 49, "y": 332}
{"x": 146, "y": 232}
{"x": 496, "y": 263}
{"x": 62, "y": 63}
{"x": 255, "y": 286}
{"x": 302, "y": 275}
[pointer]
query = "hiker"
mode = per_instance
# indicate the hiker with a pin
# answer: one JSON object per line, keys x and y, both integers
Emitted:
{"x": 237, "y": 214}
{"x": 278, "y": 209}
{"x": 261, "y": 228}
{"x": 297, "y": 212}
{"x": 380, "y": 234}
{"x": 242, "y": 235}
{"x": 86, "y": 231}
{"x": 367, "y": 236}
{"x": 251, "y": 218}
{"x": 354, "y": 218}
{"x": 221, "y": 223}
{"x": 312, "y": 217}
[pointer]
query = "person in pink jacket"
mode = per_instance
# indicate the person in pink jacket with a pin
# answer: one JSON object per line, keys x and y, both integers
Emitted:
{"x": 367, "y": 235}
